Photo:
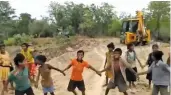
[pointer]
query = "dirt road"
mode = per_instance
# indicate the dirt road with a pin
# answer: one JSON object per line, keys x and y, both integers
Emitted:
{"x": 95, "y": 55}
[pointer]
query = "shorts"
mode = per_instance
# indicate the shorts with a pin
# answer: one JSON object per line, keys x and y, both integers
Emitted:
{"x": 164, "y": 90}
{"x": 48, "y": 89}
{"x": 130, "y": 76}
{"x": 76, "y": 84}
{"x": 108, "y": 74}
{"x": 29, "y": 91}
{"x": 32, "y": 69}
{"x": 118, "y": 82}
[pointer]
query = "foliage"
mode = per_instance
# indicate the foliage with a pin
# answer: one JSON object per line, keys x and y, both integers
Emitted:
{"x": 17, "y": 39}
{"x": 79, "y": 19}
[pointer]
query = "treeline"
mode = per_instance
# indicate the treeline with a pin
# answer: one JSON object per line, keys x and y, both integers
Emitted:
{"x": 71, "y": 19}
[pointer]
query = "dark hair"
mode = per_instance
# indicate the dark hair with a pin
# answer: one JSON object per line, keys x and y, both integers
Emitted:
{"x": 18, "y": 58}
{"x": 130, "y": 45}
{"x": 41, "y": 58}
{"x": 155, "y": 46}
{"x": 158, "y": 55}
{"x": 25, "y": 44}
{"x": 118, "y": 50}
{"x": 80, "y": 51}
{"x": 111, "y": 45}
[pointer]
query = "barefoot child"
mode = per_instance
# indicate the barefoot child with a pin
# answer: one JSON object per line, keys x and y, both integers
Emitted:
{"x": 28, "y": 53}
{"x": 76, "y": 80}
{"x": 131, "y": 58}
{"x": 150, "y": 60}
{"x": 118, "y": 67}
{"x": 110, "y": 47}
{"x": 5, "y": 65}
{"x": 160, "y": 75}
{"x": 45, "y": 72}
{"x": 20, "y": 77}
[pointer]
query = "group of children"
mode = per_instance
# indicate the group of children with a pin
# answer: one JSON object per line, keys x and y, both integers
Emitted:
{"x": 119, "y": 70}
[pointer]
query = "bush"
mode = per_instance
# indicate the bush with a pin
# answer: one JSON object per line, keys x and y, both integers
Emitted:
{"x": 17, "y": 40}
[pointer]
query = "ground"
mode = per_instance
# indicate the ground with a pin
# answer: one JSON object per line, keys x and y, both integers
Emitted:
{"x": 95, "y": 55}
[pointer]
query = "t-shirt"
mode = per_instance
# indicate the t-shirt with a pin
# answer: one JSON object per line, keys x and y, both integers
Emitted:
{"x": 21, "y": 80}
{"x": 131, "y": 58}
{"x": 27, "y": 54}
{"x": 77, "y": 69}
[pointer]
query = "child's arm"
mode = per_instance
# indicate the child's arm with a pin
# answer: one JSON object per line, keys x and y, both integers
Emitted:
{"x": 51, "y": 67}
{"x": 37, "y": 79}
{"x": 107, "y": 68}
{"x": 138, "y": 60}
{"x": 148, "y": 71}
{"x": 69, "y": 66}
{"x": 127, "y": 65}
{"x": 105, "y": 63}
{"x": 92, "y": 68}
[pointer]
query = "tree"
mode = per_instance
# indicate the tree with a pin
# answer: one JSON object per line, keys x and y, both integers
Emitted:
{"x": 24, "y": 21}
{"x": 159, "y": 10}
{"x": 6, "y": 16}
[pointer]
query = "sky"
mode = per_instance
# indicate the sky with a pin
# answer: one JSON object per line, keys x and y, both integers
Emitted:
{"x": 38, "y": 8}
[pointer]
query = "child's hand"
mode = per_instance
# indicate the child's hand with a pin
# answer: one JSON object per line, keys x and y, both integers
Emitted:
{"x": 99, "y": 73}
{"x": 63, "y": 73}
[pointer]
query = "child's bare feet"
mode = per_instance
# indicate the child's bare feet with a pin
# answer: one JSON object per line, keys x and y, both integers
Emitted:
{"x": 133, "y": 85}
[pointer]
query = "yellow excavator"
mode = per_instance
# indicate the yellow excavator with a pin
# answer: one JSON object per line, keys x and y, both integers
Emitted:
{"x": 134, "y": 31}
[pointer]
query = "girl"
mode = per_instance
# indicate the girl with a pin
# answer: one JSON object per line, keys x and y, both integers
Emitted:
{"x": 5, "y": 65}
{"x": 131, "y": 59}
{"x": 45, "y": 72}
{"x": 20, "y": 77}
{"x": 110, "y": 47}
{"x": 28, "y": 54}
{"x": 150, "y": 60}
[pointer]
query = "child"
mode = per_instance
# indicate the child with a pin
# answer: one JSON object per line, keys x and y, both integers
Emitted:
{"x": 76, "y": 80}
{"x": 160, "y": 75}
{"x": 131, "y": 59}
{"x": 5, "y": 65}
{"x": 110, "y": 47}
{"x": 118, "y": 67}
{"x": 150, "y": 60}
{"x": 28, "y": 53}
{"x": 20, "y": 77}
{"x": 45, "y": 72}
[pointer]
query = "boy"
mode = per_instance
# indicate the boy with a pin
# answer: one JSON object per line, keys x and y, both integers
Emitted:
{"x": 45, "y": 72}
{"x": 150, "y": 60}
{"x": 118, "y": 67}
{"x": 110, "y": 47}
{"x": 131, "y": 58}
{"x": 76, "y": 80}
{"x": 160, "y": 75}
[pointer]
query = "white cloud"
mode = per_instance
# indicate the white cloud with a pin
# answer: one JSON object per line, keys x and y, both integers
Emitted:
{"x": 40, "y": 7}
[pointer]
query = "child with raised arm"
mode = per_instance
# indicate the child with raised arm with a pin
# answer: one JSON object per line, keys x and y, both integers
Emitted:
{"x": 160, "y": 75}
{"x": 118, "y": 67}
{"x": 76, "y": 80}
{"x": 131, "y": 58}
{"x": 45, "y": 72}
{"x": 108, "y": 73}
{"x": 150, "y": 60}
{"x": 20, "y": 76}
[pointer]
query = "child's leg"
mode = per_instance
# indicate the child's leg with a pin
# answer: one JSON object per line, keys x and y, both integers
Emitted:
{"x": 107, "y": 91}
{"x": 12, "y": 86}
{"x": 83, "y": 92}
{"x": 164, "y": 90}
{"x": 2, "y": 92}
{"x": 130, "y": 84}
{"x": 45, "y": 93}
{"x": 71, "y": 86}
{"x": 106, "y": 81}
{"x": 125, "y": 93}
{"x": 52, "y": 93}
{"x": 133, "y": 84}
{"x": 149, "y": 85}
{"x": 155, "y": 90}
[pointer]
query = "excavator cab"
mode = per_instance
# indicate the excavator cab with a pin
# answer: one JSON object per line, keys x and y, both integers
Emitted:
{"x": 134, "y": 31}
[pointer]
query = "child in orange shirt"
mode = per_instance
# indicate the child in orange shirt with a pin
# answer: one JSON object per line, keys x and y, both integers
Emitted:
{"x": 76, "y": 80}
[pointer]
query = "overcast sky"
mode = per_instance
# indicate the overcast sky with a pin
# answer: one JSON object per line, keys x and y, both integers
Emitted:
{"x": 38, "y": 8}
